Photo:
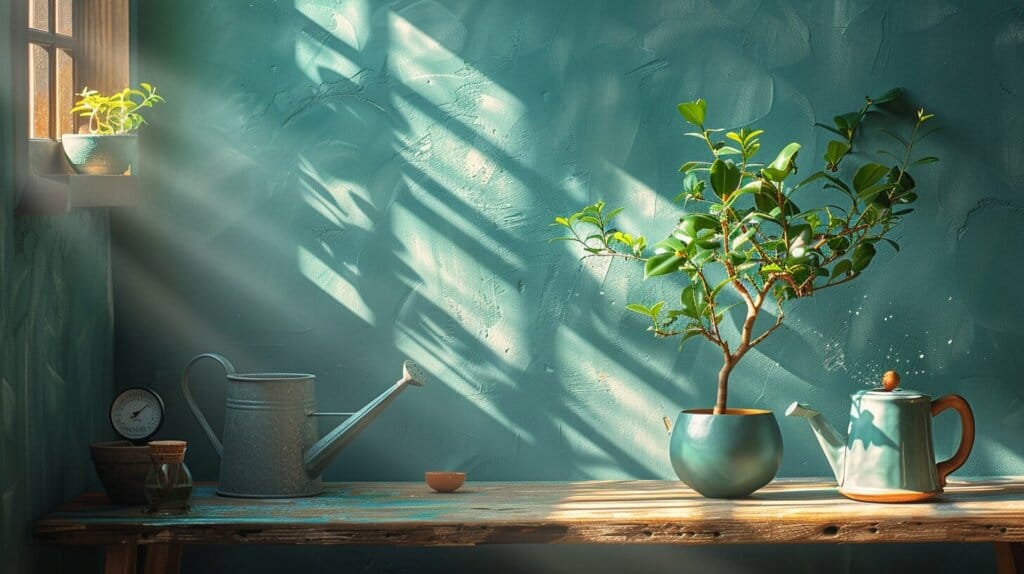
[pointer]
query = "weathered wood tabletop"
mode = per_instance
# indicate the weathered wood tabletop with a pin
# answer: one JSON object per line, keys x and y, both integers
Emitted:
{"x": 613, "y": 512}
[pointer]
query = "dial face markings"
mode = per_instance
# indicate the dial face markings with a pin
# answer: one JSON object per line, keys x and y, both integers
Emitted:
{"x": 137, "y": 414}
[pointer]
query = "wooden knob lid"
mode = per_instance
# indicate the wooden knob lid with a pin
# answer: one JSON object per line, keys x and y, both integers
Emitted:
{"x": 890, "y": 380}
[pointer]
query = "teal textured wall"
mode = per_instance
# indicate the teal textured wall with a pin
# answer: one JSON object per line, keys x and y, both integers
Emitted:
{"x": 334, "y": 186}
{"x": 55, "y": 358}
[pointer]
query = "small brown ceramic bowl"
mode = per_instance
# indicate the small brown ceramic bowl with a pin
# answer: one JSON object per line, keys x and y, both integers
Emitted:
{"x": 445, "y": 481}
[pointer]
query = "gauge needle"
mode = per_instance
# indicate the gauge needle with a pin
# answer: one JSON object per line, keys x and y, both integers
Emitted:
{"x": 136, "y": 413}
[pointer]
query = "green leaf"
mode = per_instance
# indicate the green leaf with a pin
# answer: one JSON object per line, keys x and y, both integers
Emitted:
{"x": 839, "y": 243}
{"x": 561, "y": 221}
{"x": 862, "y": 256}
{"x": 891, "y": 243}
{"x": 725, "y": 177}
{"x": 742, "y": 238}
{"x": 727, "y": 150}
{"x": 871, "y": 193}
{"x": 784, "y": 160}
{"x": 693, "y": 112}
{"x": 847, "y": 123}
{"x": 926, "y": 159}
{"x": 691, "y": 224}
{"x": 905, "y": 183}
{"x": 842, "y": 268}
{"x": 779, "y": 169}
{"x": 887, "y": 97}
{"x": 751, "y": 135}
{"x": 809, "y": 179}
{"x": 737, "y": 258}
{"x": 690, "y": 165}
{"x": 638, "y": 308}
{"x": 692, "y": 300}
{"x": 669, "y": 245}
{"x": 656, "y": 309}
{"x": 835, "y": 151}
{"x": 831, "y": 129}
{"x": 755, "y": 186}
{"x": 612, "y": 213}
{"x": 662, "y": 264}
{"x": 869, "y": 174}
{"x": 721, "y": 285}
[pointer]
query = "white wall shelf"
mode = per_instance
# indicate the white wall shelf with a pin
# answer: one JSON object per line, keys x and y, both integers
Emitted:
{"x": 60, "y": 193}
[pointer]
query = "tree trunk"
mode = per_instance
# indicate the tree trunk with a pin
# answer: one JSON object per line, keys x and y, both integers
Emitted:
{"x": 723, "y": 386}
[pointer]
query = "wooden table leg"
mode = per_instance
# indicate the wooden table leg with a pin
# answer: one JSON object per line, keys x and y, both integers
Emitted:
{"x": 1010, "y": 557}
{"x": 163, "y": 558}
{"x": 120, "y": 559}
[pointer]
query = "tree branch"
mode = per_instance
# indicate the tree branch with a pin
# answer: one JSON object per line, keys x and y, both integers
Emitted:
{"x": 778, "y": 323}
{"x": 612, "y": 253}
{"x": 736, "y": 283}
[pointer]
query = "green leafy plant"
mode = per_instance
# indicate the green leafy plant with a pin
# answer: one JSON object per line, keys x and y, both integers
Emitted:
{"x": 118, "y": 113}
{"x": 741, "y": 238}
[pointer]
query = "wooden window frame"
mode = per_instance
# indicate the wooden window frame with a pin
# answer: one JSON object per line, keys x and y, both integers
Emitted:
{"x": 101, "y": 46}
{"x": 52, "y": 41}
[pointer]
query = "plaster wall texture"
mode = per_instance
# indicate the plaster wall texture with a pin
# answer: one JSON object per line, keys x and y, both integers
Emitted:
{"x": 56, "y": 357}
{"x": 335, "y": 186}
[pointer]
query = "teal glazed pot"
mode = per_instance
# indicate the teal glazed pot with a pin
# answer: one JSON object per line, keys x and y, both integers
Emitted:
{"x": 726, "y": 456}
{"x": 94, "y": 154}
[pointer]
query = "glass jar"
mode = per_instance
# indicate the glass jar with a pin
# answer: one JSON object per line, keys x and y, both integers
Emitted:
{"x": 168, "y": 485}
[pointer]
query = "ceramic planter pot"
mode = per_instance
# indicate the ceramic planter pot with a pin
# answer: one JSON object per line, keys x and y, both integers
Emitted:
{"x": 726, "y": 456}
{"x": 100, "y": 154}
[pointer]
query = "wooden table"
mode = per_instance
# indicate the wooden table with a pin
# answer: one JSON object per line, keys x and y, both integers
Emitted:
{"x": 597, "y": 512}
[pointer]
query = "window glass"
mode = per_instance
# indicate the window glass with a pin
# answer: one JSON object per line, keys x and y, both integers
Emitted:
{"x": 64, "y": 15}
{"x": 65, "y": 93}
{"x": 39, "y": 80}
{"x": 39, "y": 14}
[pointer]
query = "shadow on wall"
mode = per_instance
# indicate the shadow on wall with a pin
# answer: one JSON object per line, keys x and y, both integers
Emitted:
{"x": 337, "y": 186}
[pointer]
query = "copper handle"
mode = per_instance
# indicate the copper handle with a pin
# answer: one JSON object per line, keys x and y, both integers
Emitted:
{"x": 966, "y": 437}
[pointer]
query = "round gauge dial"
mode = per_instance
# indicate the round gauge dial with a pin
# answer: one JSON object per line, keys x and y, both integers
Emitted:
{"x": 137, "y": 413}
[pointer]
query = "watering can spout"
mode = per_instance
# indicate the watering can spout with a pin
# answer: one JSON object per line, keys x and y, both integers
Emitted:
{"x": 323, "y": 452}
{"x": 832, "y": 443}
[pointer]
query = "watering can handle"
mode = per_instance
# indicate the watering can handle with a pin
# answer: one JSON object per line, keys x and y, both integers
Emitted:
{"x": 194, "y": 407}
{"x": 957, "y": 403}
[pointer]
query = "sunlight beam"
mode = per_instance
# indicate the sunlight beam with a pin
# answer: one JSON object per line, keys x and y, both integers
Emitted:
{"x": 333, "y": 284}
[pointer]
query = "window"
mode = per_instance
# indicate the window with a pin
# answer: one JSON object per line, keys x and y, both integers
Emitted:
{"x": 51, "y": 68}
{"x": 57, "y": 48}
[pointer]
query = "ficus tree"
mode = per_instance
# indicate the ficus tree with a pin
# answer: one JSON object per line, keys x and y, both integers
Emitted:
{"x": 742, "y": 239}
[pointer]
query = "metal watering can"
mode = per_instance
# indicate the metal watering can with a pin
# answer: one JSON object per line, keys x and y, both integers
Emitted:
{"x": 887, "y": 454}
{"x": 270, "y": 447}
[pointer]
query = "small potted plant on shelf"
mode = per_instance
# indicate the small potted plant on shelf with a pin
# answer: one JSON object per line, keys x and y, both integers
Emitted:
{"x": 742, "y": 240}
{"x": 109, "y": 147}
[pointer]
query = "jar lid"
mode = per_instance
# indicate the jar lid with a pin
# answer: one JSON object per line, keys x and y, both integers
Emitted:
{"x": 167, "y": 451}
{"x": 890, "y": 390}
